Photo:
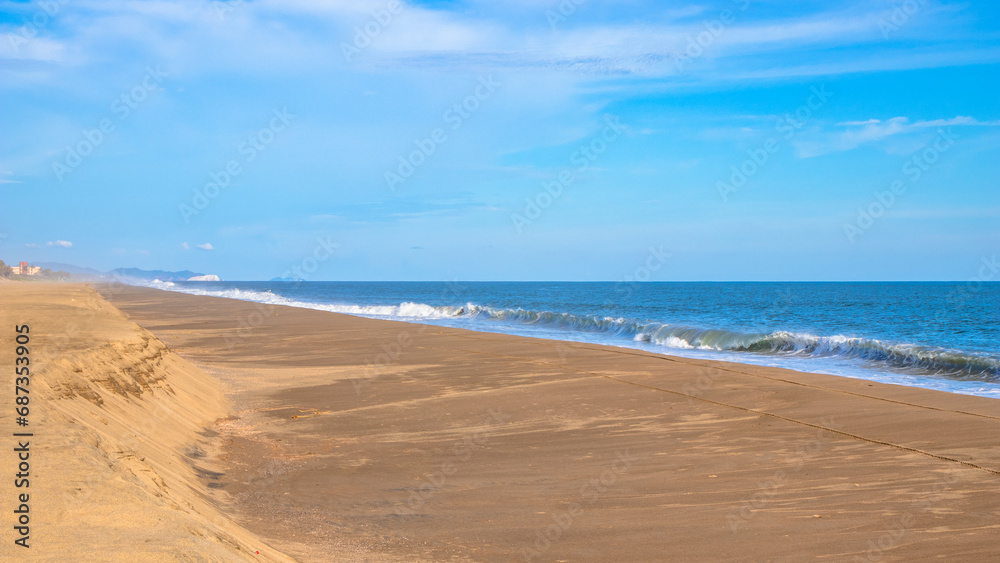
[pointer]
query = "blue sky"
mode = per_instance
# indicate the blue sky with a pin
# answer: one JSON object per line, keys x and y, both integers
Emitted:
{"x": 522, "y": 140}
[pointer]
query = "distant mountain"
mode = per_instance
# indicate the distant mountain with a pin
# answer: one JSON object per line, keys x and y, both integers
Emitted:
{"x": 161, "y": 275}
{"x": 60, "y": 267}
{"x": 84, "y": 273}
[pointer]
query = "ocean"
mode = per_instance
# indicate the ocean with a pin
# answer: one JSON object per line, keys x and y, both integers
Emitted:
{"x": 936, "y": 335}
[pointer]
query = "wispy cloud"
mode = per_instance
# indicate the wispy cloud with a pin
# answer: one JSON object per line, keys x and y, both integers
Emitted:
{"x": 853, "y": 134}
{"x": 254, "y": 37}
{"x": 325, "y": 217}
{"x": 206, "y": 246}
{"x": 60, "y": 243}
{"x": 948, "y": 213}
{"x": 396, "y": 210}
{"x": 5, "y": 180}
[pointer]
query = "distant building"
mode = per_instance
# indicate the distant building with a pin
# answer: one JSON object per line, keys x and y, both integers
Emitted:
{"x": 25, "y": 270}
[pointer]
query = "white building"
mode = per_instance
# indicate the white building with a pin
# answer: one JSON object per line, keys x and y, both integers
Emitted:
{"x": 25, "y": 270}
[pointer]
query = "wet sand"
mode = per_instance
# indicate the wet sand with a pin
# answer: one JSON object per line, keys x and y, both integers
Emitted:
{"x": 197, "y": 428}
{"x": 396, "y": 440}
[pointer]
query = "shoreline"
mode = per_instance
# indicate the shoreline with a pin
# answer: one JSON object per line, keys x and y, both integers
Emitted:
{"x": 474, "y": 445}
{"x": 188, "y": 426}
{"x": 844, "y": 360}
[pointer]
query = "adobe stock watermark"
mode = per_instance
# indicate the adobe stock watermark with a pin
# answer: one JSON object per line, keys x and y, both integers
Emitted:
{"x": 779, "y": 306}
{"x": 655, "y": 260}
{"x": 123, "y": 107}
{"x": 900, "y": 17}
{"x": 462, "y": 452}
{"x": 254, "y": 144}
{"x": 454, "y": 117}
{"x": 988, "y": 269}
{"x": 582, "y": 157}
{"x": 958, "y": 298}
{"x": 624, "y": 288}
{"x": 392, "y": 350}
{"x": 698, "y": 44}
{"x": 704, "y": 382}
{"x": 38, "y": 21}
{"x": 913, "y": 169}
{"x": 390, "y": 353}
{"x": 562, "y": 11}
{"x": 301, "y": 270}
{"x": 787, "y": 127}
{"x": 322, "y": 252}
{"x": 767, "y": 490}
{"x": 900, "y": 527}
{"x": 365, "y": 35}
{"x": 590, "y": 492}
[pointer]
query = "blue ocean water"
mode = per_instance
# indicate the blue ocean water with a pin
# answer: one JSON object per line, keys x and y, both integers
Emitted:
{"x": 937, "y": 335}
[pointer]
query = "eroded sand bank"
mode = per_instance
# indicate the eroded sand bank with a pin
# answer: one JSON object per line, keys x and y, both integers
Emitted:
{"x": 123, "y": 439}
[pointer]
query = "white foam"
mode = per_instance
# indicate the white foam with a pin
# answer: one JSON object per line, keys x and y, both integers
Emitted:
{"x": 836, "y": 354}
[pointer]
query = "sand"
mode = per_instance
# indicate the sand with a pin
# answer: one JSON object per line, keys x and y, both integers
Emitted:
{"x": 121, "y": 426}
{"x": 332, "y": 437}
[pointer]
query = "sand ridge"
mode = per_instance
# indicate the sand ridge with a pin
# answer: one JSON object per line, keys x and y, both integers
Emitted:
{"x": 121, "y": 456}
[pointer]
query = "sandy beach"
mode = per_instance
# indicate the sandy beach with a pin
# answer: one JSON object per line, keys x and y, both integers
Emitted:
{"x": 470, "y": 281}
{"x": 121, "y": 431}
{"x": 200, "y": 428}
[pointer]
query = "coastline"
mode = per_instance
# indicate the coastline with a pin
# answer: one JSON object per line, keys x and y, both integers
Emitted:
{"x": 720, "y": 460}
{"x": 777, "y": 327}
{"x": 479, "y": 446}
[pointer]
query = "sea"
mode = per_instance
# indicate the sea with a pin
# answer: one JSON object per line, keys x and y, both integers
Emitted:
{"x": 935, "y": 335}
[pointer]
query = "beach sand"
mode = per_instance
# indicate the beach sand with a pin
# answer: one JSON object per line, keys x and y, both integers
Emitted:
{"x": 122, "y": 428}
{"x": 332, "y": 437}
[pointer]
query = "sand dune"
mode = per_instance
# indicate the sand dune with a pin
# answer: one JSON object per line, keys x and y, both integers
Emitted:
{"x": 123, "y": 439}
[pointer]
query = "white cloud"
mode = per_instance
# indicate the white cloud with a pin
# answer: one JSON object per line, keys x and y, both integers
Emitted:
{"x": 259, "y": 37}
{"x": 60, "y": 243}
{"x": 947, "y": 213}
{"x": 31, "y": 245}
{"x": 853, "y": 134}
{"x": 5, "y": 181}
{"x": 900, "y": 124}
{"x": 206, "y": 246}
{"x": 17, "y": 46}
{"x": 185, "y": 246}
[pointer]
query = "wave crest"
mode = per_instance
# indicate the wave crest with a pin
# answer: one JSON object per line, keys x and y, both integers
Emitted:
{"x": 906, "y": 357}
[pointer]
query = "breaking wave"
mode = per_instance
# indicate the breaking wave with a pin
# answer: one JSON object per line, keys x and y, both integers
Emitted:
{"x": 917, "y": 359}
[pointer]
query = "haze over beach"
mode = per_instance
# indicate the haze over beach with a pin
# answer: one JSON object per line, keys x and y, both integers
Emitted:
{"x": 488, "y": 281}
